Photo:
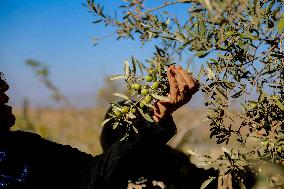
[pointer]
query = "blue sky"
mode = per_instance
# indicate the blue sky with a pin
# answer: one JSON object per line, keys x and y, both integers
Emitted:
{"x": 59, "y": 33}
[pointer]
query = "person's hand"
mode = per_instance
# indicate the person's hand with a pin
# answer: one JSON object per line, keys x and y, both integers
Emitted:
{"x": 3, "y": 88}
{"x": 182, "y": 87}
{"x": 7, "y": 119}
{"x": 3, "y": 85}
{"x": 3, "y": 98}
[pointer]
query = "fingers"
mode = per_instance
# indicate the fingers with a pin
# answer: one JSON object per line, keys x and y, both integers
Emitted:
{"x": 3, "y": 98}
{"x": 3, "y": 88}
{"x": 182, "y": 87}
{"x": 161, "y": 110}
{"x": 3, "y": 85}
{"x": 182, "y": 84}
{"x": 191, "y": 82}
{"x": 173, "y": 83}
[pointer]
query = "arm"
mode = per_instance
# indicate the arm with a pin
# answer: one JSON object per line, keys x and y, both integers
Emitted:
{"x": 182, "y": 87}
{"x": 110, "y": 167}
{"x": 49, "y": 164}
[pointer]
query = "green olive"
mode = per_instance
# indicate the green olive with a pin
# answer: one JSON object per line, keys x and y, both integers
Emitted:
{"x": 137, "y": 86}
{"x": 133, "y": 110}
{"x": 148, "y": 99}
{"x": 155, "y": 85}
{"x": 152, "y": 71}
{"x": 117, "y": 113}
{"x": 148, "y": 78}
{"x": 265, "y": 143}
{"x": 133, "y": 86}
{"x": 144, "y": 91}
{"x": 125, "y": 109}
{"x": 142, "y": 104}
{"x": 253, "y": 105}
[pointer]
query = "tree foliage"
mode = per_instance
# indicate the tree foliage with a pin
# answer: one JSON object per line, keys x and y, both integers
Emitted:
{"x": 240, "y": 45}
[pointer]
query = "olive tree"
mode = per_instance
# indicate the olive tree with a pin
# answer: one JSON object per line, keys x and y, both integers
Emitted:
{"x": 239, "y": 45}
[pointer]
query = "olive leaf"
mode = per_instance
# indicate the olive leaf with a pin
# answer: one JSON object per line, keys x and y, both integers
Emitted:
{"x": 121, "y": 96}
{"x": 115, "y": 124}
{"x": 145, "y": 115}
{"x": 135, "y": 129}
{"x": 210, "y": 73}
{"x": 281, "y": 24}
{"x": 105, "y": 121}
{"x": 126, "y": 68}
{"x": 118, "y": 77}
{"x": 238, "y": 54}
{"x": 279, "y": 104}
{"x": 207, "y": 182}
{"x": 161, "y": 98}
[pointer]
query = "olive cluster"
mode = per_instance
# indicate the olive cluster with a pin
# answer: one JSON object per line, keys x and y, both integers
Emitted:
{"x": 150, "y": 87}
{"x": 124, "y": 110}
{"x": 146, "y": 90}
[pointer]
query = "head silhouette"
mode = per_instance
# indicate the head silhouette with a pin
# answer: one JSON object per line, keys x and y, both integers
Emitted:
{"x": 110, "y": 135}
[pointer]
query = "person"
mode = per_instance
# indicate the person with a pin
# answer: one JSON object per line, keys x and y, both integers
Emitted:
{"x": 29, "y": 161}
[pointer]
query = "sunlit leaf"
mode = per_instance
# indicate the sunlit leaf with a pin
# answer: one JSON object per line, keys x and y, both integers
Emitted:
{"x": 131, "y": 115}
{"x": 121, "y": 96}
{"x": 161, "y": 98}
{"x": 118, "y": 77}
{"x": 207, "y": 182}
{"x": 279, "y": 104}
{"x": 202, "y": 54}
{"x": 105, "y": 121}
{"x": 146, "y": 116}
{"x": 135, "y": 129}
{"x": 115, "y": 124}
{"x": 210, "y": 73}
{"x": 248, "y": 35}
{"x": 126, "y": 68}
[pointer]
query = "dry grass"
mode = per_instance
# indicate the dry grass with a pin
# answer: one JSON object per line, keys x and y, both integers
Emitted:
{"x": 78, "y": 128}
{"x": 81, "y": 128}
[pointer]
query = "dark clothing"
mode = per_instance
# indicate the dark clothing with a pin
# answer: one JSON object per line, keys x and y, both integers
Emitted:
{"x": 31, "y": 162}
{"x": 47, "y": 164}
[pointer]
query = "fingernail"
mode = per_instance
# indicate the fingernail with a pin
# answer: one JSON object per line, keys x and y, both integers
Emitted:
{"x": 179, "y": 68}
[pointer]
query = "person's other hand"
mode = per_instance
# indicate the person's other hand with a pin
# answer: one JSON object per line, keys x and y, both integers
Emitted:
{"x": 182, "y": 87}
{"x": 3, "y": 85}
{"x": 7, "y": 119}
{"x": 3, "y": 98}
{"x": 3, "y": 88}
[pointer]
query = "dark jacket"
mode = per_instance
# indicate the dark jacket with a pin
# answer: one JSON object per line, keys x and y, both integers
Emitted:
{"x": 31, "y": 162}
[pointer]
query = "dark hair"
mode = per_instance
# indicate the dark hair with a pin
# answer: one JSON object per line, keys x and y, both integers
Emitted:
{"x": 110, "y": 135}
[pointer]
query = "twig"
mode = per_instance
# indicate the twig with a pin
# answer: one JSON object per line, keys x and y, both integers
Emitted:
{"x": 281, "y": 49}
{"x": 165, "y": 5}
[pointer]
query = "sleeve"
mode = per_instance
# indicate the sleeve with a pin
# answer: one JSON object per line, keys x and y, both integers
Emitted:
{"x": 191, "y": 176}
{"x": 108, "y": 170}
{"x": 162, "y": 132}
{"x": 49, "y": 165}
